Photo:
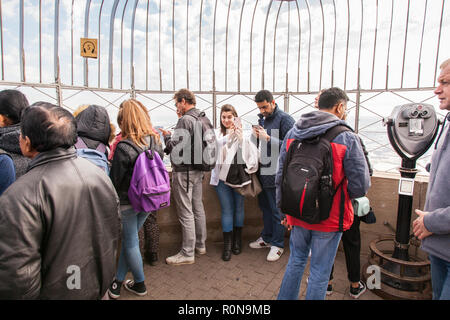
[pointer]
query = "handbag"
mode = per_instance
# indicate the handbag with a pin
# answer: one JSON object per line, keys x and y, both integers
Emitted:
{"x": 252, "y": 189}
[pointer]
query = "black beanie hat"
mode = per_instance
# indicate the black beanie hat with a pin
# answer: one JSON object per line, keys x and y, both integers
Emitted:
{"x": 12, "y": 103}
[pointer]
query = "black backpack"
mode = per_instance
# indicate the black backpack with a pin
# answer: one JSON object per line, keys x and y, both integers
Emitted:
{"x": 307, "y": 186}
{"x": 207, "y": 151}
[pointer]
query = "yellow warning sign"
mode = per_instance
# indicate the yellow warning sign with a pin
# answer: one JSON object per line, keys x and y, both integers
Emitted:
{"x": 88, "y": 48}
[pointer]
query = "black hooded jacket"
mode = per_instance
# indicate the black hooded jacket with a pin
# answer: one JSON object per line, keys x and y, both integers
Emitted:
{"x": 59, "y": 220}
{"x": 93, "y": 126}
{"x": 9, "y": 142}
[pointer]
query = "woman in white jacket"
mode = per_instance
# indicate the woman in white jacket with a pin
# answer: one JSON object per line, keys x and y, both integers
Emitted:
{"x": 233, "y": 146}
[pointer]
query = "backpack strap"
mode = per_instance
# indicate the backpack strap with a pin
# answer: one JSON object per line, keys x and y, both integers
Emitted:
{"x": 135, "y": 148}
{"x": 333, "y": 132}
{"x": 330, "y": 135}
{"x": 80, "y": 144}
{"x": 101, "y": 148}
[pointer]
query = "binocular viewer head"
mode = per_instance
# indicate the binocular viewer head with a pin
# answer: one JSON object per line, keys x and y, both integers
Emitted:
{"x": 412, "y": 128}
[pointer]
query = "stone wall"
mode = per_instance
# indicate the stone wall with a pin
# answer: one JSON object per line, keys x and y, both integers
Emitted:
{"x": 383, "y": 196}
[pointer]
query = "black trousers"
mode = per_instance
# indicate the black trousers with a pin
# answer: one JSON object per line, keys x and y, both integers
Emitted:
{"x": 149, "y": 235}
{"x": 351, "y": 239}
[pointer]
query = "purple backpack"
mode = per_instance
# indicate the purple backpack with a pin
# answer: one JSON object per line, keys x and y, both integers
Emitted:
{"x": 150, "y": 184}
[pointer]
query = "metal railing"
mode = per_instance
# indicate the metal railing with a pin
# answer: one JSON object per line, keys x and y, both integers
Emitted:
{"x": 382, "y": 52}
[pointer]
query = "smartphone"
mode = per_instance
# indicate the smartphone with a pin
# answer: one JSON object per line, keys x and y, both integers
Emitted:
{"x": 237, "y": 122}
{"x": 256, "y": 126}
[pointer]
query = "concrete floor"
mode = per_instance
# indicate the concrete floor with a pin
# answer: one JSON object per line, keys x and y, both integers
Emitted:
{"x": 248, "y": 276}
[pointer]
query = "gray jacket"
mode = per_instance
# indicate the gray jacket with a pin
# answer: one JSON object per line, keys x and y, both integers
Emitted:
{"x": 184, "y": 123}
{"x": 438, "y": 202}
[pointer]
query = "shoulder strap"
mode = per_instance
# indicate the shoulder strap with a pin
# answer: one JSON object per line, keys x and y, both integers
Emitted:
{"x": 80, "y": 144}
{"x": 333, "y": 132}
{"x": 131, "y": 145}
{"x": 138, "y": 151}
{"x": 101, "y": 148}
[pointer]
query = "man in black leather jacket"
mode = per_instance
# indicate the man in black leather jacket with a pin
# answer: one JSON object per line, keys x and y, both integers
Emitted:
{"x": 59, "y": 222}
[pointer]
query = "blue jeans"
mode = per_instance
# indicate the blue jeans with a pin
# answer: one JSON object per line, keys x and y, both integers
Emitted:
{"x": 323, "y": 247}
{"x": 273, "y": 231}
{"x": 440, "y": 278}
{"x": 232, "y": 205}
{"x": 130, "y": 255}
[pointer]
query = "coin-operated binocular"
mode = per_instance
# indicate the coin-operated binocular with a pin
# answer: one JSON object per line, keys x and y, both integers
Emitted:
{"x": 412, "y": 129}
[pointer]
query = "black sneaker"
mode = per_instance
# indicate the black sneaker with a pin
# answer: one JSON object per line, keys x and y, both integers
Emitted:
{"x": 136, "y": 287}
{"x": 114, "y": 289}
{"x": 355, "y": 293}
{"x": 329, "y": 289}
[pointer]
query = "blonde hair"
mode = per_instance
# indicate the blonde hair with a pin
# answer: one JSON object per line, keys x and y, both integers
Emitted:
{"x": 79, "y": 110}
{"x": 135, "y": 122}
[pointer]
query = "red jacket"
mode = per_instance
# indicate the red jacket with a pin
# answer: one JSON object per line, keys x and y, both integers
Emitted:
{"x": 349, "y": 167}
{"x": 331, "y": 224}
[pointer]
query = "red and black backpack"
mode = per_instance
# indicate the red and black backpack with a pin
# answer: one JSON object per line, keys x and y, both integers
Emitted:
{"x": 307, "y": 189}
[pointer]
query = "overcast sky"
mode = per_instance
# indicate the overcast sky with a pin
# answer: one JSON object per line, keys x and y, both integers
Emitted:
{"x": 219, "y": 50}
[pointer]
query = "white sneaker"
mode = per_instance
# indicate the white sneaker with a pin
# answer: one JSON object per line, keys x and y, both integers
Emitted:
{"x": 200, "y": 251}
{"x": 258, "y": 244}
{"x": 180, "y": 259}
{"x": 275, "y": 253}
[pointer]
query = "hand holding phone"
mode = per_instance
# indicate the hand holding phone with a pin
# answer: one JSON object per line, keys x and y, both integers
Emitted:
{"x": 237, "y": 122}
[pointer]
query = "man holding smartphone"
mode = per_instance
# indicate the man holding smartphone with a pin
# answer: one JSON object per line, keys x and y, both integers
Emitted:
{"x": 273, "y": 125}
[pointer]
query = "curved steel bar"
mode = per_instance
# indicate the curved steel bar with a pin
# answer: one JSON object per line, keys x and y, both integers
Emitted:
{"x": 360, "y": 43}
{"x": 374, "y": 45}
{"x": 99, "y": 39}
{"x": 389, "y": 44}
{"x": 404, "y": 47}
{"x": 334, "y": 43}
{"x": 309, "y": 44}
{"x": 146, "y": 46}
{"x": 21, "y": 50}
{"x": 159, "y": 47}
{"x": 133, "y": 18}
{"x": 439, "y": 43}
{"x": 323, "y": 43}
{"x": 214, "y": 46}
{"x": 299, "y": 46}
{"x": 274, "y": 45}
{"x": 200, "y": 49}
{"x": 173, "y": 45}
{"x": 288, "y": 46}
{"x": 1, "y": 43}
{"x": 56, "y": 40}
{"x": 346, "y": 52}
{"x": 86, "y": 35}
{"x": 40, "y": 41}
{"x": 111, "y": 43}
{"x": 121, "y": 44}
{"x": 226, "y": 49}
{"x": 421, "y": 42}
{"x": 251, "y": 43}
{"x": 264, "y": 45}
{"x": 187, "y": 44}
{"x": 239, "y": 49}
